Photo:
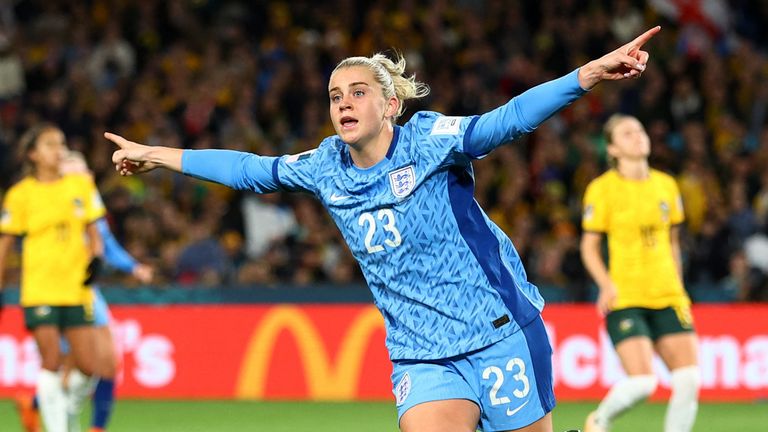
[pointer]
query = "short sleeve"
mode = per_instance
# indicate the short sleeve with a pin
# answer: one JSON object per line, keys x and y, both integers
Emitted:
{"x": 677, "y": 213}
{"x": 595, "y": 212}
{"x": 94, "y": 206}
{"x": 13, "y": 216}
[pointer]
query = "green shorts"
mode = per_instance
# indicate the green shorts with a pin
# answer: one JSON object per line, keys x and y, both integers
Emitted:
{"x": 653, "y": 323}
{"x": 59, "y": 316}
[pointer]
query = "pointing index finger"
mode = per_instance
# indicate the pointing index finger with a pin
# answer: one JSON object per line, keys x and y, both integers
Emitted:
{"x": 117, "y": 139}
{"x": 645, "y": 37}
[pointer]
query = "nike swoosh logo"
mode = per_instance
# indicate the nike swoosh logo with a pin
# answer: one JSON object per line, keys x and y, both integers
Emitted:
{"x": 514, "y": 411}
{"x": 335, "y": 197}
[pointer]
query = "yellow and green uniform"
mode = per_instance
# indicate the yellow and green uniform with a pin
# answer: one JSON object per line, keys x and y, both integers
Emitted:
{"x": 636, "y": 216}
{"x": 51, "y": 218}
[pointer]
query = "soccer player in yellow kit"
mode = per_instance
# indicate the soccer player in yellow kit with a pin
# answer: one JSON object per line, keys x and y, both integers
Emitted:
{"x": 55, "y": 215}
{"x": 642, "y": 296}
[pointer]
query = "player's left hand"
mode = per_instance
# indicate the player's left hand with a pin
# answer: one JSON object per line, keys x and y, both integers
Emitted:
{"x": 143, "y": 273}
{"x": 627, "y": 61}
{"x": 93, "y": 271}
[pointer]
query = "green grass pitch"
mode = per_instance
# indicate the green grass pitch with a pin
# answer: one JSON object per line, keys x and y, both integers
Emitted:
{"x": 194, "y": 416}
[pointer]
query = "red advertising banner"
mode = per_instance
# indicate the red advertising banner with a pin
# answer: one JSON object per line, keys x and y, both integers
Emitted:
{"x": 336, "y": 352}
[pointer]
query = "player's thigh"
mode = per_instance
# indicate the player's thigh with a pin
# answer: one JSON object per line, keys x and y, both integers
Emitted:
{"x": 631, "y": 336}
{"x": 636, "y": 355}
{"x": 43, "y": 322}
{"x": 544, "y": 424}
{"x": 81, "y": 335}
{"x": 82, "y": 343}
{"x": 674, "y": 335}
{"x": 105, "y": 352}
{"x": 47, "y": 340}
{"x": 514, "y": 379}
{"x": 678, "y": 349}
{"x": 425, "y": 391}
{"x": 448, "y": 415}
{"x": 456, "y": 415}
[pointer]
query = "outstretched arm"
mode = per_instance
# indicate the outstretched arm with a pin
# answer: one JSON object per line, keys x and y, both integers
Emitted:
{"x": 627, "y": 61}
{"x": 524, "y": 113}
{"x": 238, "y": 170}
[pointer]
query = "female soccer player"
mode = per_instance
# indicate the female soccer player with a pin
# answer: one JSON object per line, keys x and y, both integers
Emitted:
{"x": 117, "y": 257}
{"x": 639, "y": 209}
{"x": 464, "y": 330}
{"x": 104, "y": 392}
{"x": 56, "y": 216}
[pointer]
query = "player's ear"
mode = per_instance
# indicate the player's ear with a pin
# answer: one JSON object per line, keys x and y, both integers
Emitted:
{"x": 393, "y": 106}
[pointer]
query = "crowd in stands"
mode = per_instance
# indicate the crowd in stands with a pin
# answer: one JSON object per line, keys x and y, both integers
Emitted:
{"x": 252, "y": 76}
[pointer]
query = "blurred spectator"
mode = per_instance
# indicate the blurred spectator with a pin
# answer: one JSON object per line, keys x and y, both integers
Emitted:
{"x": 12, "y": 82}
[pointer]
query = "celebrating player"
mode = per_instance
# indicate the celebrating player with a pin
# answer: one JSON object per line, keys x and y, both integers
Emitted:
{"x": 464, "y": 329}
{"x": 639, "y": 209}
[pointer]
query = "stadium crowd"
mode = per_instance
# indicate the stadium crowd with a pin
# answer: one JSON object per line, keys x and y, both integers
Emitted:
{"x": 252, "y": 76}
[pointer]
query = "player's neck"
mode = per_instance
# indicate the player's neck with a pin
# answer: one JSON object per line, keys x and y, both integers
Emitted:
{"x": 633, "y": 169}
{"x": 47, "y": 175}
{"x": 368, "y": 154}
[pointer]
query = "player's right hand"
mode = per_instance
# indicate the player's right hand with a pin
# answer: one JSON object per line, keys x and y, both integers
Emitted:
{"x": 131, "y": 158}
{"x": 606, "y": 299}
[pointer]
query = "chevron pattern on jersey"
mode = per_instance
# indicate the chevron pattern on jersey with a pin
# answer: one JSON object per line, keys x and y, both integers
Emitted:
{"x": 438, "y": 301}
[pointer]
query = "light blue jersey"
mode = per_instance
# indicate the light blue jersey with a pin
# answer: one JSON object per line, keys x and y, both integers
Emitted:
{"x": 117, "y": 257}
{"x": 446, "y": 279}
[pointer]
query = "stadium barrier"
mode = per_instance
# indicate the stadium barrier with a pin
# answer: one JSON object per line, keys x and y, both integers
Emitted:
{"x": 336, "y": 352}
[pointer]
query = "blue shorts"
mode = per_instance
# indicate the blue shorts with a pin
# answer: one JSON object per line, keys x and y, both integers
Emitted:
{"x": 101, "y": 316}
{"x": 511, "y": 380}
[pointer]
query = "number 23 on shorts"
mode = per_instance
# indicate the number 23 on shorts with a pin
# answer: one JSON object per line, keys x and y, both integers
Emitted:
{"x": 517, "y": 388}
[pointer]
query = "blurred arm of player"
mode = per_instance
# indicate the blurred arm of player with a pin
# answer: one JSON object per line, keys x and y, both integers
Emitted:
{"x": 593, "y": 261}
{"x": 116, "y": 256}
{"x": 6, "y": 241}
{"x": 674, "y": 240}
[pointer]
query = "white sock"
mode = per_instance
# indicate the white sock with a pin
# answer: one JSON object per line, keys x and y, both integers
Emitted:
{"x": 623, "y": 396}
{"x": 684, "y": 402}
{"x": 50, "y": 398}
{"x": 79, "y": 387}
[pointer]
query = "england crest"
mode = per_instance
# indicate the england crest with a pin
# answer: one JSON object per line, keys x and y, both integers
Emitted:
{"x": 403, "y": 389}
{"x": 402, "y": 181}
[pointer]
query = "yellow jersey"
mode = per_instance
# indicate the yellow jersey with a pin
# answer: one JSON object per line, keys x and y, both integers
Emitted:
{"x": 636, "y": 216}
{"x": 51, "y": 218}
